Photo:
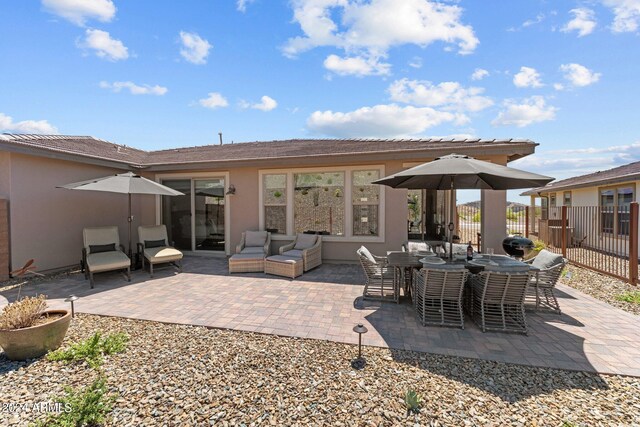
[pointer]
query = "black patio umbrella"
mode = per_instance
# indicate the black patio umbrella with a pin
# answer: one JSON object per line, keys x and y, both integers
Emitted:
{"x": 124, "y": 183}
{"x": 457, "y": 172}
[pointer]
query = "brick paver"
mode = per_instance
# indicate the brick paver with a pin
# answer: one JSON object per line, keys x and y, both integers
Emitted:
{"x": 326, "y": 303}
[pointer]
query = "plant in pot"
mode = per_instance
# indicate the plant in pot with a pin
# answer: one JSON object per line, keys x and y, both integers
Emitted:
{"x": 29, "y": 330}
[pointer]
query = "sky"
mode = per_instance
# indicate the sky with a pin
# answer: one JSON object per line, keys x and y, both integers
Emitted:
{"x": 159, "y": 74}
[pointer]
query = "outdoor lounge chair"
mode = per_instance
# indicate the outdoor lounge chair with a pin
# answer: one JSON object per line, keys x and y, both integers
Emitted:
{"x": 380, "y": 284}
{"x": 498, "y": 300}
{"x": 154, "y": 247}
{"x": 251, "y": 252}
{"x": 544, "y": 282}
{"x": 437, "y": 295}
{"x": 102, "y": 251}
{"x": 305, "y": 246}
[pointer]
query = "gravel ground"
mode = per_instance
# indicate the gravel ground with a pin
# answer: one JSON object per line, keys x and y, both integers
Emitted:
{"x": 177, "y": 375}
{"x": 600, "y": 286}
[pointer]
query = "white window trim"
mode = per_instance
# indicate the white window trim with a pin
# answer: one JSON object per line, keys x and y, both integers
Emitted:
{"x": 348, "y": 208}
{"x": 227, "y": 207}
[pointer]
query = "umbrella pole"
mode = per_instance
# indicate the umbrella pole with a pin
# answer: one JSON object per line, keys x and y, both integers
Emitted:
{"x": 130, "y": 219}
{"x": 451, "y": 222}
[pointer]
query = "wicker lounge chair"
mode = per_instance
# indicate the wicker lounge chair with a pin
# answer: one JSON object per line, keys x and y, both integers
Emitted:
{"x": 380, "y": 284}
{"x": 437, "y": 295}
{"x": 250, "y": 252}
{"x": 542, "y": 286}
{"x": 154, "y": 247}
{"x": 498, "y": 300}
{"x": 102, "y": 251}
{"x": 305, "y": 246}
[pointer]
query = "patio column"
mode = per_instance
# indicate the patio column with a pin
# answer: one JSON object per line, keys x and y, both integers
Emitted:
{"x": 493, "y": 219}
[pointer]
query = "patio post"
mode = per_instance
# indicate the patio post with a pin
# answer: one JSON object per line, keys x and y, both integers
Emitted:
{"x": 564, "y": 231}
{"x": 633, "y": 243}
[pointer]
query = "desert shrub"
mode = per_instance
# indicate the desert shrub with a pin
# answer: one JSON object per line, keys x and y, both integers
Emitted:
{"x": 92, "y": 349}
{"x": 22, "y": 313}
{"x": 632, "y": 297}
{"x": 476, "y": 217}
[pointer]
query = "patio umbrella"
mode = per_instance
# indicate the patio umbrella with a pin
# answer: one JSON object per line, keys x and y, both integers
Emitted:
{"x": 124, "y": 183}
{"x": 457, "y": 171}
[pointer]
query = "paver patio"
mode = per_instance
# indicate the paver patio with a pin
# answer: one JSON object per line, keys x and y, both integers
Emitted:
{"x": 326, "y": 303}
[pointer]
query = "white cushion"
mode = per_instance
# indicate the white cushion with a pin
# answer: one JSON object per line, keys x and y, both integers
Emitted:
{"x": 152, "y": 232}
{"x": 546, "y": 259}
{"x": 162, "y": 254}
{"x": 107, "y": 261}
{"x": 247, "y": 256}
{"x": 100, "y": 236}
{"x": 305, "y": 241}
{"x": 255, "y": 238}
{"x": 417, "y": 246}
{"x": 284, "y": 259}
{"x": 365, "y": 252}
{"x": 296, "y": 253}
{"x": 253, "y": 250}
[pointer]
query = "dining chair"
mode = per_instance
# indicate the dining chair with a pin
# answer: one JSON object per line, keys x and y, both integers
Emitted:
{"x": 437, "y": 295}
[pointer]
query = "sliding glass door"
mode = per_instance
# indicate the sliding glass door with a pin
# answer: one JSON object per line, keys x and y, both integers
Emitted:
{"x": 196, "y": 221}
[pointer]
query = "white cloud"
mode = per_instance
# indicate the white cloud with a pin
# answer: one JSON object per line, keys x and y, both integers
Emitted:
{"x": 583, "y": 22}
{"x": 356, "y": 66}
{"x": 195, "y": 49}
{"x": 104, "y": 46}
{"x": 380, "y": 121}
{"x": 448, "y": 95}
{"x": 530, "y": 110}
{"x": 214, "y": 100}
{"x": 370, "y": 29}
{"x": 266, "y": 104}
{"x": 627, "y": 14}
{"x": 26, "y": 126}
{"x": 579, "y": 75}
{"x": 479, "y": 74}
{"x": 529, "y": 22}
{"x": 527, "y": 77}
{"x": 416, "y": 62}
{"x": 558, "y": 86}
{"x": 134, "y": 89}
{"x": 242, "y": 5}
{"x": 79, "y": 11}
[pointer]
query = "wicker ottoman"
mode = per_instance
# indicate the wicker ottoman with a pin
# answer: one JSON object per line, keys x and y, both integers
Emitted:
{"x": 282, "y": 265}
{"x": 246, "y": 263}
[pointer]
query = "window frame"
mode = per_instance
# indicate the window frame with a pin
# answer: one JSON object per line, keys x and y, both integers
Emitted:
{"x": 564, "y": 198}
{"x": 616, "y": 206}
{"x": 348, "y": 206}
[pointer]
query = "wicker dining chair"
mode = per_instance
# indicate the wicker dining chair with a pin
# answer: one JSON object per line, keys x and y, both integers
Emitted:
{"x": 541, "y": 289}
{"x": 498, "y": 300}
{"x": 437, "y": 296}
{"x": 380, "y": 283}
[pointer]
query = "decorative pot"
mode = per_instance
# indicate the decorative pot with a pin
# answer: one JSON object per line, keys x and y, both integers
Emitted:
{"x": 35, "y": 341}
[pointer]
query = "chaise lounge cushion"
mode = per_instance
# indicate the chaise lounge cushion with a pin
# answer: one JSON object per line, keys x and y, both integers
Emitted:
{"x": 255, "y": 238}
{"x": 106, "y": 261}
{"x": 305, "y": 241}
{"x": 162, "y": 254}
{"x": 546, "y": 259}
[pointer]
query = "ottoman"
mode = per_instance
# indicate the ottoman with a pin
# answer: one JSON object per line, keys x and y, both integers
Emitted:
{"x": 246, "y": 263}
{"x": 283, "y": 265}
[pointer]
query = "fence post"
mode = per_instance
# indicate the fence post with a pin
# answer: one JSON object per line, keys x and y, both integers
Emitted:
{"x": 633, "y": 243}
{"x": 564, "y": 231}
{"x": 526, "y": 221}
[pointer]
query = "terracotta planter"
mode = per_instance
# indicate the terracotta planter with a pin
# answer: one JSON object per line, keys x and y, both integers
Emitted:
{"x": 28, "y": 343}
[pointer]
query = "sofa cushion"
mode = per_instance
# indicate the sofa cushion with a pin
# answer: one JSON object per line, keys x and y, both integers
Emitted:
{"x": 305, "y": 241}
{"x": 162, "y": 254}
{"x": 155, "y": 243}
{"x": 255, "y": 238}
{"x": 96, "y": 249}
{"x": 546, "y": 259}
{"x": 284, "y": 259}
{"x": 296, "y": 253}
{"x": 365, "y": 253}
{"x": 417, "y": 246}
{"x": 253, "y": 250}
{"x": 106, "y": 261}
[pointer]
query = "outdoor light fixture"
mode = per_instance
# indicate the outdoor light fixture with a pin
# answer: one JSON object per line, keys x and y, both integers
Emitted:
{"x": 71, "y": 299}
{"x": 451, "y": 226}
{"x": 359, "y": 363}
{"x": 231, "y": 190}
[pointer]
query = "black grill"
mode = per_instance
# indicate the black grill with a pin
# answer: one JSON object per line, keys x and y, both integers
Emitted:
{"x": 517, "y": 246}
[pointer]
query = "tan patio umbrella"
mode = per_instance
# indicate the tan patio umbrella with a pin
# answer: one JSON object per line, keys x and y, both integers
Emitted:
{"x": 124, "y": 183}
{"x": 457, "y": 171}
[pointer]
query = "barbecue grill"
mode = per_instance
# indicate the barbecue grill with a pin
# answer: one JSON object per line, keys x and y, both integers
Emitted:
{"x": 517, "y": 246}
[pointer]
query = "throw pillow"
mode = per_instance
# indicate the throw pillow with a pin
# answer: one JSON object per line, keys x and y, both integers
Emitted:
{"x": 148, "y": 244}
{"x": 255, "y": 238}
{"x": 96, "y": 249}
{"x": 305, "y": 241}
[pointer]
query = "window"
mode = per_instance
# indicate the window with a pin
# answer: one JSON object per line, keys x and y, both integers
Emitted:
{"x": 614, "y": 210}
{"x": 365, "y": 198}
{"x": 318, "y": 203}
{"x": 552, "y": 200}
{"x": 566, "y": 198}
{"x": 275, "y": 203}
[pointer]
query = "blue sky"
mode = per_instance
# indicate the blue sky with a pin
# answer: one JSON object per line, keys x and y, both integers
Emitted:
{"x": 159, "y": 75}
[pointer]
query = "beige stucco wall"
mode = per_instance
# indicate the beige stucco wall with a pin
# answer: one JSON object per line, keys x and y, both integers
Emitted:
{"x": 47, "y": 222}
{"x": 5, "y": 174}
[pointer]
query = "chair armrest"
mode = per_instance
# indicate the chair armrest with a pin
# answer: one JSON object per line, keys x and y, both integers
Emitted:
{"x": 287, "y": 247}
{"x": 140, "y": 248}
{"x": 84, "y": 259}
{"x": 382, "y": 259}
{"x": 240, "y": 246}
{"x": 267, "y": 244}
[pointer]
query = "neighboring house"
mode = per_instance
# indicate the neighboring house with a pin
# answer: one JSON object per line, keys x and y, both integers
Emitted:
{"x": 601, "y": 201}
{"x": 282, "y": 186}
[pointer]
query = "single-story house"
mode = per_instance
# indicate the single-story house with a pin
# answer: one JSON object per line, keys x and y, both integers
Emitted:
{"x": 285, "y": 187}
{"x": 600, "y": 200}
